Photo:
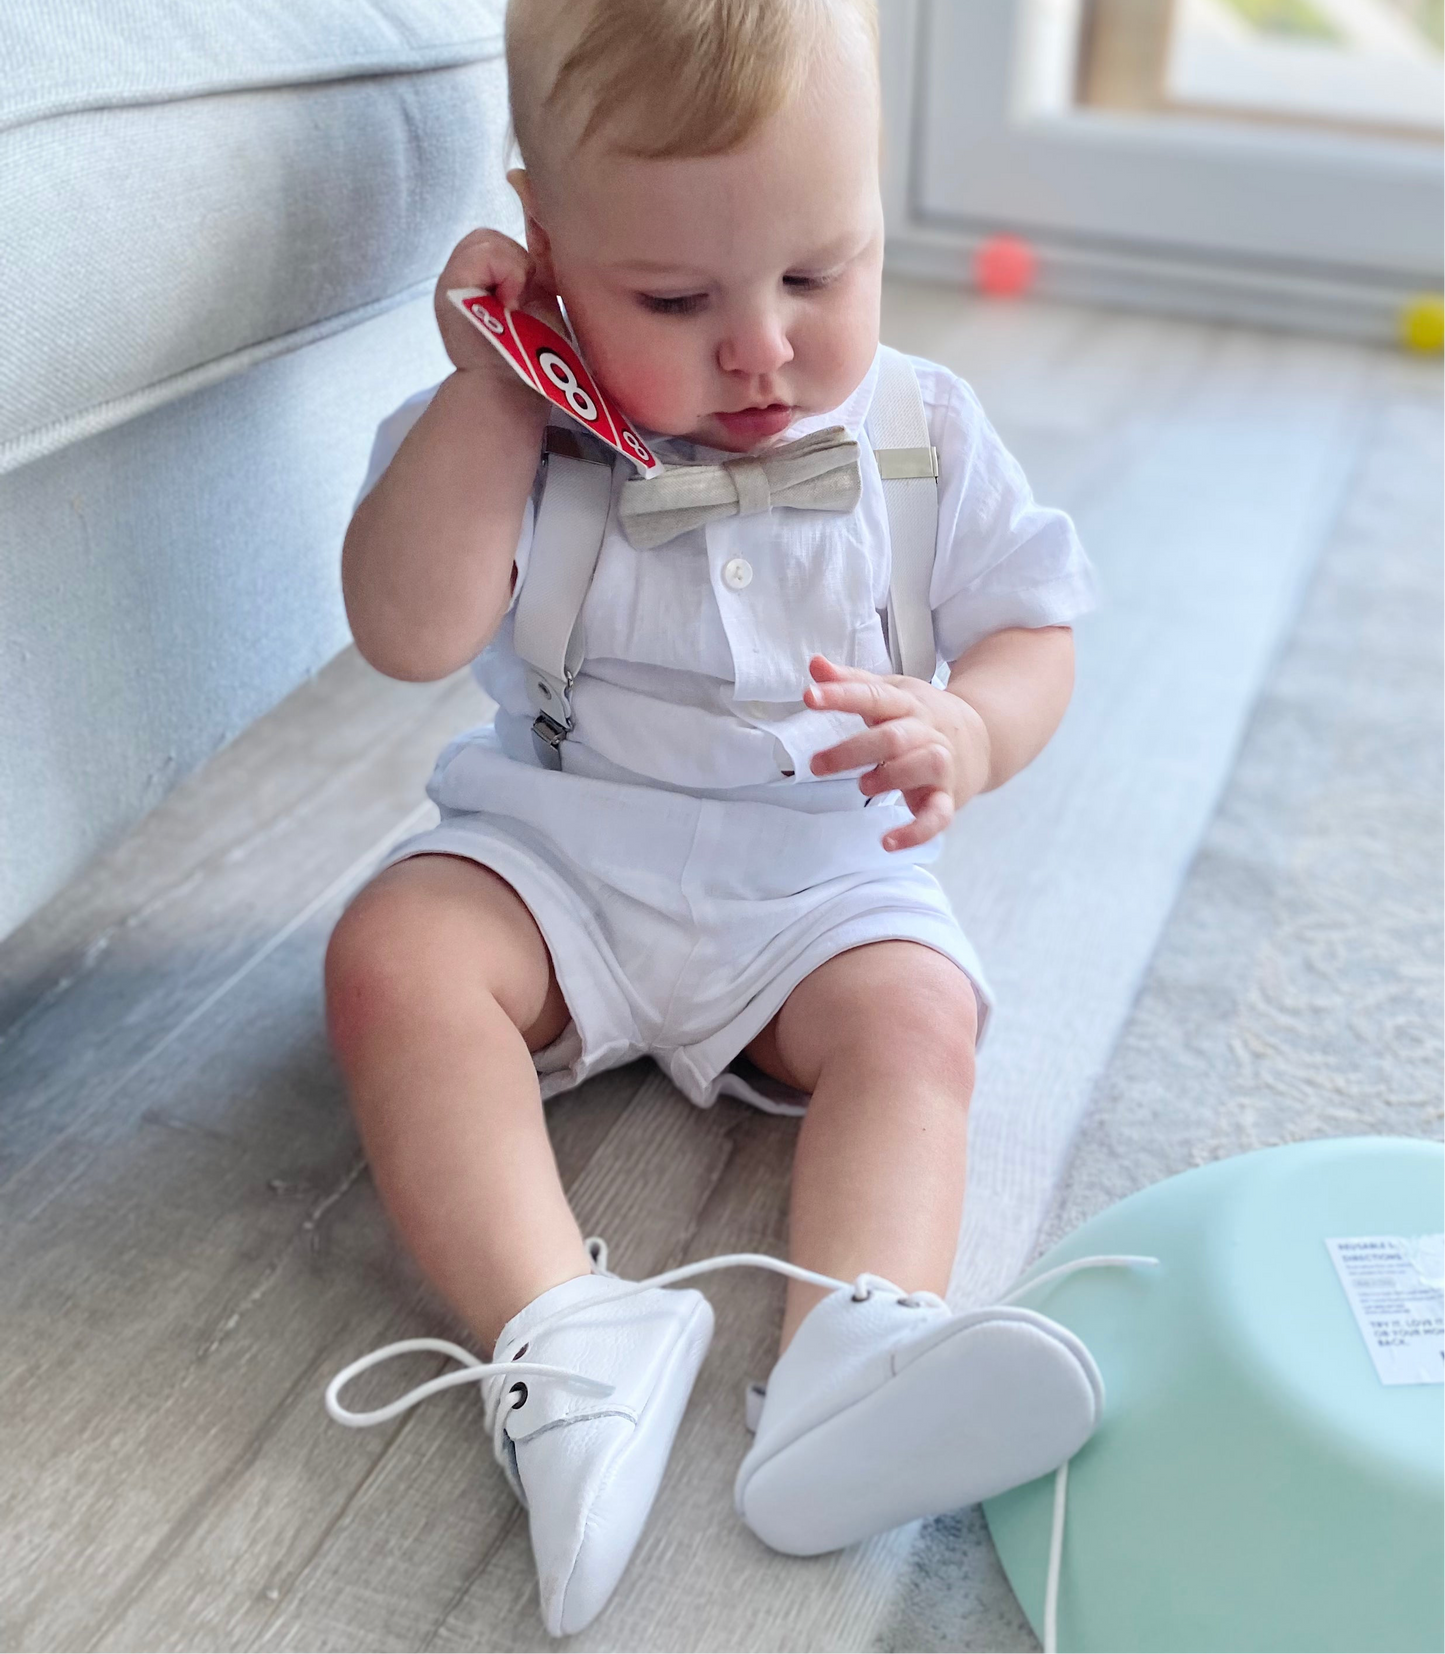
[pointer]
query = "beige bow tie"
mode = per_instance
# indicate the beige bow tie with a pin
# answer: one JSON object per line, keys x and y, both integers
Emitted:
{"x": 817, "y": 472}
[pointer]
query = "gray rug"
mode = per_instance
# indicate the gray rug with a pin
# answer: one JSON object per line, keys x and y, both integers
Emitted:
{"x": 1296, "y": 992}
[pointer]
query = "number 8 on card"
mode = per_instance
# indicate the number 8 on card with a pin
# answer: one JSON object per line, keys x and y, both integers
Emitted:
{"x": 547, "y": 362}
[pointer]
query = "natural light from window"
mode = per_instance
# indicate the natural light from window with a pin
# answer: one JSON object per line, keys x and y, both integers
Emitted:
{"x": 1360, "y": 62}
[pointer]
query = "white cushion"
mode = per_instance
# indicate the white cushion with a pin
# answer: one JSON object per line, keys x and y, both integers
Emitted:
{"x": 189, "y": 189}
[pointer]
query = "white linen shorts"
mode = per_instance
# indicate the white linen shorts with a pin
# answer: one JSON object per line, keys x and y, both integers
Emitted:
{"x": 678, "y": 925}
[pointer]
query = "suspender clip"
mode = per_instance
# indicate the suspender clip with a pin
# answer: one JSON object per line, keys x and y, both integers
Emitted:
{"x": 547, "y": 737}
{"x": 549, "y": 732}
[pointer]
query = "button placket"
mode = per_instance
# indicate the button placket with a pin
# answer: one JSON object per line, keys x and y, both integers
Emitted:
{"x": 751, "y": 616}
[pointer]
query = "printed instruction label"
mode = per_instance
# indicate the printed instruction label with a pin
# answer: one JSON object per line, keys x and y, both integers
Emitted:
{"x": 1396, "y": 1287}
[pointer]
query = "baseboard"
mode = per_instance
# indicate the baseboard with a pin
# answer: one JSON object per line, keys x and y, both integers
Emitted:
{"x": 1211, "y": 291}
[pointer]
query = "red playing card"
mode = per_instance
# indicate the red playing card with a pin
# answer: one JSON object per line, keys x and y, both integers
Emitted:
{"x": 562, "y": 376}
{"x": 486, "y": 313}
{"x": 551, "y": 366}
{"x": 633, "y": 446}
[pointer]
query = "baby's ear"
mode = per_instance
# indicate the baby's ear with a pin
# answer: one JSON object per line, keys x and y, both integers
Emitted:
{"x": 539, "y": 244}
{"x": 522, "y": 184}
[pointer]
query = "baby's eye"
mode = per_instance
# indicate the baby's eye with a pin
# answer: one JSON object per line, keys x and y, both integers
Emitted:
{"x": 806, "y": 284}
{"x": 683, "y": 306}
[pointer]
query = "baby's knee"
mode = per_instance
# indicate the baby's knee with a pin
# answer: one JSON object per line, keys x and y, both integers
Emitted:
{"x": 933, "y": 1022}
{"x": 389, "y": 962}
{"x": 435, "y": 941}
{"x": 369, "y": 970}
{"x": 922, "y": 1015}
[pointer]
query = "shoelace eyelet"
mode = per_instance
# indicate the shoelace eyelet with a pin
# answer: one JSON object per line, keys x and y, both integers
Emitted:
{"x": 522, "y": 1399}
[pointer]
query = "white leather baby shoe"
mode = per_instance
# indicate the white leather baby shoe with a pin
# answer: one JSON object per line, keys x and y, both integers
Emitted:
{"x": 583, "y": 1398}
{"x": 587, "y": 1467}
{"x": 888, "y": 1407}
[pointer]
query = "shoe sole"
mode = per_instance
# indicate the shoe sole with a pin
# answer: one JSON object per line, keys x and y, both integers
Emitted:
{"x": 991, "y": 1404}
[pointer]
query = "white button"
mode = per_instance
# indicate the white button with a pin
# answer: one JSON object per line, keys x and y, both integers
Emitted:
{"x": 737, "y": 571}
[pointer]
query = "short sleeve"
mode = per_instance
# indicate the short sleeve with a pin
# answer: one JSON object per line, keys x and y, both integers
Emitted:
{"x": 390, "y": 435}
{"x": 1002, "y": 559}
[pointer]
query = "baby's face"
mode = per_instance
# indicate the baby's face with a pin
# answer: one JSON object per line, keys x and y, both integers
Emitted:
{"x": 704, "y": 287}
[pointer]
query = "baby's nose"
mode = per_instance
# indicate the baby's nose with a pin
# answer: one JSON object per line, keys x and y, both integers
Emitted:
{"x": 755, "y": 344}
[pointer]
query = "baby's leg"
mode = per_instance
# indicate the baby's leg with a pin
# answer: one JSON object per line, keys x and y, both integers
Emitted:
{"x": 438, "y": 986}
{"x": 887, "y": 1407}
{"x": 883, "y": 1037}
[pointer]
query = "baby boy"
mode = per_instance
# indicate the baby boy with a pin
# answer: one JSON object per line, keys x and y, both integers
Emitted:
{"x": 719, "y": 856}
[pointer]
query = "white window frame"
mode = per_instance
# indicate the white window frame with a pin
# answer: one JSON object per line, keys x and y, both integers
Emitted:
{"x": 1299, "y": 227}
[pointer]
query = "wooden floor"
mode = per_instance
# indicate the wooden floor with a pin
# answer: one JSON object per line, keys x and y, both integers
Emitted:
{"x": 190, "y": 1245}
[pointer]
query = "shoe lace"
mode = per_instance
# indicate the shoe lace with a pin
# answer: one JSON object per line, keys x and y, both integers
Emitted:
{"x": 491, "y": 1376}
{"x": 1061, "y": 1475}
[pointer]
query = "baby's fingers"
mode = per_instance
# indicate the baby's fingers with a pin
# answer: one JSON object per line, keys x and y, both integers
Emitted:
{"x": 872, "y": 698}
{"x": 820, "y": 667}
{"x": 920, "y": 769}
{"x": 877, "y": 745}
{"x": 930, "y": 816}
{"x": 490, "y": 260}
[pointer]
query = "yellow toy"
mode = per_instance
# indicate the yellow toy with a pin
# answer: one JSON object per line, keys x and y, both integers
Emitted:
{"x": 1422, "y": 323}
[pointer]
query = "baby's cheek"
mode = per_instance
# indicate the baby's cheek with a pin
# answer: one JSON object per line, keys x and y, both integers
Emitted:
{"x": 840, "y": 349}
{"x": 644, "y": 374}
{"x": 656, "y": 393}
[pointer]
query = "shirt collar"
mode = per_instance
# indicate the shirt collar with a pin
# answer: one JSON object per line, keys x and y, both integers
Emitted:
{"x": 850, "y": 414}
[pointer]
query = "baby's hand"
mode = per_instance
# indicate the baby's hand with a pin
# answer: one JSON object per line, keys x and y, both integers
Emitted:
{"x": 930, "y": 745}
{"x": 491, "y": 260}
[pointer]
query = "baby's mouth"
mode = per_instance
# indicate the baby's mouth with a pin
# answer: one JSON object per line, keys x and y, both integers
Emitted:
{"x": 756, "y": 421}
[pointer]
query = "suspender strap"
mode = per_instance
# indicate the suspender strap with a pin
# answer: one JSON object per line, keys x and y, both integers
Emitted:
{"x": 908, "y": 465}
{"x": 566, "y": 541}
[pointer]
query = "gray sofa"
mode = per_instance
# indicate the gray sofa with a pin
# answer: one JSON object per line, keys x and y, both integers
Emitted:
{"x": 222, "y": 227}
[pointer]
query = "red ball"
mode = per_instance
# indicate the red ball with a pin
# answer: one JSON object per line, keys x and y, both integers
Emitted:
{"x": 1004, "y": 264}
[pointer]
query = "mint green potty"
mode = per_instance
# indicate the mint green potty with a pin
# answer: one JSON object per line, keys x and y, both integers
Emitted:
{"x": 1253, "y": 1484}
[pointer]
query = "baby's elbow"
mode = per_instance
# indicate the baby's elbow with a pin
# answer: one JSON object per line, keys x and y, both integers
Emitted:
{"x": 399, "y": 652}
{"x": 404, "y": 669}
{"x": 395, "y": 658}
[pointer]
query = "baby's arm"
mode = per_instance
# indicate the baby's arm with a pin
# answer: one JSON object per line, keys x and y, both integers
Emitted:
{"x": 1017, "y": 685}
{"x": 942, "y": 747}
{"x": 427, "y": 562}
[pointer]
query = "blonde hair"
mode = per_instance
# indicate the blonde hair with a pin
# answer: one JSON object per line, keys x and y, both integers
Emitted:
{"x": 666, "y": 78}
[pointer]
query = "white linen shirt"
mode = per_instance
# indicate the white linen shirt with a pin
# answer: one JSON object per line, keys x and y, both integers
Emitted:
{"x": 697, "y": 650}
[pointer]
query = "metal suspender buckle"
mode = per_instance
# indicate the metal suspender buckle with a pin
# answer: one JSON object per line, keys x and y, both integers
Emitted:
{"x": 549, "y": 732}
{"x": 549, "y": 735}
